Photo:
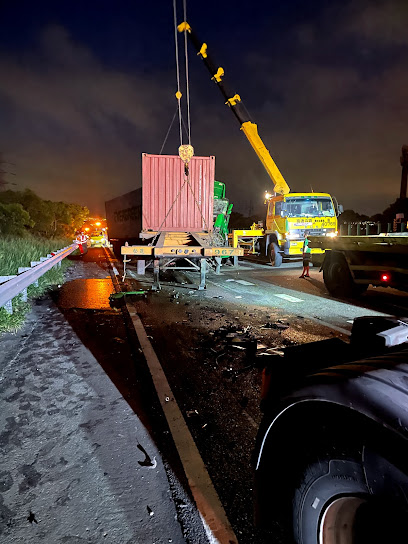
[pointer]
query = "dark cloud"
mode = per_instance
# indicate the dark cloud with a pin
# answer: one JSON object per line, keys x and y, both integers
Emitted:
{"x": 326, "y": 87}
{"x": 75, "y": 128}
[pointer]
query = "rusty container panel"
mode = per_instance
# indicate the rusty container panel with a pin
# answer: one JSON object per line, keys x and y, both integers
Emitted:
{"x": 169, "y": 203}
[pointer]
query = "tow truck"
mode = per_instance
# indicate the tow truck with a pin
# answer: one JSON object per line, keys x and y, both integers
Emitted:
{"x": 289, "y": 215}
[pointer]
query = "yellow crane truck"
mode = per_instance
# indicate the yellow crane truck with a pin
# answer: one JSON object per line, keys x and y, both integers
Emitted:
{"x": 289, "y": 215}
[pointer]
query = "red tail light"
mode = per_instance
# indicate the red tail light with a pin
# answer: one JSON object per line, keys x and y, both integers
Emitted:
{"x": 385, "y": 277}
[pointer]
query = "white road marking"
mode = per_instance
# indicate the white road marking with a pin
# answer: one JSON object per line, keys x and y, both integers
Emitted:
{"x": 230, "y": 279}
{"x": 289, "y": 298}
{"x": 208, "y": 503}
{"x": 330, "y": 325}
{"x": 244, "y": 282}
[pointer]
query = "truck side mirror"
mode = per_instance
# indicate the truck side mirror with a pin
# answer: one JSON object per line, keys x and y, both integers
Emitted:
{"x": 340, "y": 208}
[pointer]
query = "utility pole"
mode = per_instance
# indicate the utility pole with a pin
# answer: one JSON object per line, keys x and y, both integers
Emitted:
{"x": 404, "y": 173}
{"x": 3, "y": 182}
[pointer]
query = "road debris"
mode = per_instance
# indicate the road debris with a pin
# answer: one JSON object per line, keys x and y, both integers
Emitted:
{"x": 121, "y": 294}
{"x": 149, "y": 511}
{"x": 147, "y": 461}
{"x": 31, "y": 517}
{"x": 277, "y": 325}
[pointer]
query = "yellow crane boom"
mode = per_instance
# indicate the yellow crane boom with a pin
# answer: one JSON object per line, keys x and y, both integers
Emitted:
{"x": 234, "y": 102}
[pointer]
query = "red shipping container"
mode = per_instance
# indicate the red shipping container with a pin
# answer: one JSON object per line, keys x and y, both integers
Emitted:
{"x": 188, "y": 206}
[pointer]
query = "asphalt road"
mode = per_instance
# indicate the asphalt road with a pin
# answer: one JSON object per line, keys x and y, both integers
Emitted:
{"x": 88, "y": 454}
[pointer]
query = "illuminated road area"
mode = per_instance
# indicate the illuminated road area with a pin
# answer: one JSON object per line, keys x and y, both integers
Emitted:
{"x": 137, "y": 423}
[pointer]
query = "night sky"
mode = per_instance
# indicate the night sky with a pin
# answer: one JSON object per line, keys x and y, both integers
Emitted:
{"x": 87, "y": 86}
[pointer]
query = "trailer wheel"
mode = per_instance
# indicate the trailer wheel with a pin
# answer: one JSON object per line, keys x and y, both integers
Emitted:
{"x": 336, "y": 503}
{"x": 338, "y": 279}
{"x": 274, "y": 254}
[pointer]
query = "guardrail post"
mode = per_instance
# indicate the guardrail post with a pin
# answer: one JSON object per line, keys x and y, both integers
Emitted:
{"x": 348, "y": 229}
{"x": 34, "y": 263}
{"x": 389, "y": 227}
{"x": 378, "y": 228}
{"x": 24, "y": 294}
{"x": 358, "y": 229}
{"x": 9, "y": 304}
{"x": 9, "y": 307}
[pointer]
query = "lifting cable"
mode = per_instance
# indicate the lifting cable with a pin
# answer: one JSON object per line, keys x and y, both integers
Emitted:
{"x": 187, "y": 77}
{"x": 178, "y": 93}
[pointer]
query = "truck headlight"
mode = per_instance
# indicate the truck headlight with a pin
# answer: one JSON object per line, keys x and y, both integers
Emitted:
{"x": 332, "y": 234}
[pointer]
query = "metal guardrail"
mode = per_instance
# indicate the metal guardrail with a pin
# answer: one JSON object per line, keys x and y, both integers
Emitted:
{"x": 11, "y": 286}
{"x": 361, "y": 228}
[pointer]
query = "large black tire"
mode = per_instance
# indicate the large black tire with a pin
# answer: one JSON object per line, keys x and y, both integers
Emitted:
{"x": 347, "y": 497}
{"x": 337, "y": 277}
{"x": 275, "y": 257}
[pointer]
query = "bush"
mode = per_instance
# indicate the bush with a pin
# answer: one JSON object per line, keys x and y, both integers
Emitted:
{"x": 14, "y": 219}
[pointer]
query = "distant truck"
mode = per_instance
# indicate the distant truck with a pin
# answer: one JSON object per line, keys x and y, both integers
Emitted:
{"x": 351, "y": 263}
{"x": 124, "y": 219}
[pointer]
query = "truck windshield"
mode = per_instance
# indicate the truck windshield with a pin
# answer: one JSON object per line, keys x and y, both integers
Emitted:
{"x": 309, "y": 207}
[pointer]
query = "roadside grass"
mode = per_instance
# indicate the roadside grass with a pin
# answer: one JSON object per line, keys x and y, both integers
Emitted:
{"x": 16, "y": 252}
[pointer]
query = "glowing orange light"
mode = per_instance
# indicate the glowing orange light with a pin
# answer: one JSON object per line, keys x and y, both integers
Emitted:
{"x": 86, "y": 228}
{"x": 98, "y": 224}
{"x": 385, "y": 277}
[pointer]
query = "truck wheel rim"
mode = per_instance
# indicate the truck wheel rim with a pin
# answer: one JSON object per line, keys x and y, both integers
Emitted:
{"x": 338, "y": 520}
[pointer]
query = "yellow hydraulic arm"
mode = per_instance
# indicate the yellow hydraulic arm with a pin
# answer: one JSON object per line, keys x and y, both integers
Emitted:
{"x": 234, "y": 102}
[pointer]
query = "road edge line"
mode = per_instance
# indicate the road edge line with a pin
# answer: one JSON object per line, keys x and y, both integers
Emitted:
{"x": 202, "y": 488}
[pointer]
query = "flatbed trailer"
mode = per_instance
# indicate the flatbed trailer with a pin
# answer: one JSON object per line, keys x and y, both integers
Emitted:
{"x": 167, "y": 250}
{"x": 351, "y": 263}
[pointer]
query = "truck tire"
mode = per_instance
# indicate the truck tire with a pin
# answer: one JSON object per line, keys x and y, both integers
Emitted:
{"x": 338, "y": 502}
{"x": 274, "y": 254}
{"x": 337, "y": 277}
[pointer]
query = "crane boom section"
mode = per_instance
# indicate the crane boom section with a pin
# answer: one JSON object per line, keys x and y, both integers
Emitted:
{"x": 234, "y": 102}
{"x": 251, "y": 132}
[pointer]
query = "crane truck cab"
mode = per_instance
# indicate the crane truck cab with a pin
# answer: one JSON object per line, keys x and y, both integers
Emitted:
{"x": 289, "y": 216}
